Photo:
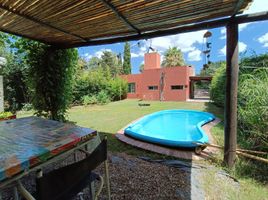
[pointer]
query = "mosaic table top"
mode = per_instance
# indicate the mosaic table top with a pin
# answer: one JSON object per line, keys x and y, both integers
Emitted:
{"x": 29, "y": 141}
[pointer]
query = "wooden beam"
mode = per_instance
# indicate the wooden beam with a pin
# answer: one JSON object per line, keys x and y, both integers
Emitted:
{"x": 120, "y": 15}
{"x": 237, "y": 7}
{"x": 47, "y": 25}
{"x": 230, "y": 109}
{"x": 184, "y": 29}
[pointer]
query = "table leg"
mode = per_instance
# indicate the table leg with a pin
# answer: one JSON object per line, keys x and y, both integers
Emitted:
{"x": 1, "y": 195}
{"x": 92, "y": 190}
{"x": 75, "y": 156}
{"x": 15, "y": 192}
{"x": 107, "y": 179}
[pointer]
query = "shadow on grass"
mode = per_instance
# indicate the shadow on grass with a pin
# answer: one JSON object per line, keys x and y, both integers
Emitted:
{"x": 183, "y": 187}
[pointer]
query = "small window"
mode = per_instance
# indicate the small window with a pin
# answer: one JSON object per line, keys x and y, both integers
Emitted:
{"x": 154, "y": 87}
{"x": 177, "y": 87}
{"x": 131, "y": 88}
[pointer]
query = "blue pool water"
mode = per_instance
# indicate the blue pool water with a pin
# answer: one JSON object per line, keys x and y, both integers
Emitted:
{"x": 176, "y": 128}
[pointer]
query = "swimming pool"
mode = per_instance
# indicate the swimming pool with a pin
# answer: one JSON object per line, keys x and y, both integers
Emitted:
{"x": 175, "y": 128}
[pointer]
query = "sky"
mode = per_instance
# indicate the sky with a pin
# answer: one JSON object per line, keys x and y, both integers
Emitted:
{"x": 253, "y": 39}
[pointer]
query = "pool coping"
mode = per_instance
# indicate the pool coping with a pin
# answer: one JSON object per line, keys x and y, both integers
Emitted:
{"x": 178, "y": 153}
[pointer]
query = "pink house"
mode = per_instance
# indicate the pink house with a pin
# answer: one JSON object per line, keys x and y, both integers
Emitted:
{"x": 156, "y": 83}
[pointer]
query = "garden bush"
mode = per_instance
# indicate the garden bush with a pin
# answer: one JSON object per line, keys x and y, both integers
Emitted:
{"x": 4, "y": 115}
{"x": 253, "y": 108}
{"x": 99, "y": 83}
{"x": 27, "y": 107}
{"x": 87, "y": 100}
{"x": 252, "y": 100}
{"x": 103, "y": 97}
{"x": 117, "y": 89}
{"x": 252, "y": 111}
{"x": 217, "y": 86}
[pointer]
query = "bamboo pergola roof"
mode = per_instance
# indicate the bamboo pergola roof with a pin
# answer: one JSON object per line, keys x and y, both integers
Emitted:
{"x": 71, "y": 23}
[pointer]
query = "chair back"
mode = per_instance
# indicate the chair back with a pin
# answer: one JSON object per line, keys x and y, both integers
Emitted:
{"x": 66, "y": 182}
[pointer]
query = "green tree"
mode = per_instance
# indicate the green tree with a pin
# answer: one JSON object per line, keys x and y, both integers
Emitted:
{"x": 94, "y": 63}
{"x": 127, "y": 59}
{"x": 120, "y": 63}
{"x": 16, "y": 90}
{"x": 109, "y": 63}
{"x": 173, "y": 57}
{"x": 210, "y": 71}
{"x": 51, "y": 75}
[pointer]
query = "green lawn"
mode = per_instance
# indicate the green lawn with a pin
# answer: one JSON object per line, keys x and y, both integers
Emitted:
{"x": 108, "y": 119}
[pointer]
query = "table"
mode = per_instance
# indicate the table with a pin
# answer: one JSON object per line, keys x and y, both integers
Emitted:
{"x": 27, "y": 144}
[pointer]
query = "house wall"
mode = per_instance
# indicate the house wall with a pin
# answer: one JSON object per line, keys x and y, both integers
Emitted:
{"x": 176, "y": 76}
{"x": 151, "y": 76}
{"x": 152, "y": 61}
{"x": 134, "y": 78}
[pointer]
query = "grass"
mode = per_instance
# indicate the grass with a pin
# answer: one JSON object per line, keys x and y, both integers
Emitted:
{"x": 248, "y": 189}
{"x": 110, "y": 118}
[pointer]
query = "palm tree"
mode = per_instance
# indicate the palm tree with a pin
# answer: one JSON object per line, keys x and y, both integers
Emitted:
{"x": 173, "y": 57}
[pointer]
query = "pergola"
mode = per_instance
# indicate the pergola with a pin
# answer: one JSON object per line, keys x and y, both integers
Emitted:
{"x": 76, "y": 23}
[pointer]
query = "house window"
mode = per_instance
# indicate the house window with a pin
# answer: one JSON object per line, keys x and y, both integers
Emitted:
{"x": 177, "y": 87}
{"x": 131, "y": 88}
{"x": 153, "y": 87}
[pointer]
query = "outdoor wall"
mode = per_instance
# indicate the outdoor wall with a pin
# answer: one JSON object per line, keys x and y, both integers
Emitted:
{"x": 134, "y": 78}
{"x": 176, "y": 76}
{"x": 152, "y": 61}
{"x": 150, "y": 78}
{"x": 147, "y": 84}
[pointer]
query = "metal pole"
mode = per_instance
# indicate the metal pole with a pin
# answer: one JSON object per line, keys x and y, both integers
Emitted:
{"x": 1, "y": 94}
{"x": 230, "y": 112}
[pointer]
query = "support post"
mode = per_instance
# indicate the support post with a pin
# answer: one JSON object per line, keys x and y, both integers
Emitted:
{"x": 230, "y": 112}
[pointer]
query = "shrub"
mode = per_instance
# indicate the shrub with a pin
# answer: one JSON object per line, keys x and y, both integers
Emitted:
{"x": 217, "y": 86}
{"x": 87, "y": 100}
{"x": 253, "y": 108}
{"x": 252, "y": 101}
{"x": 27, "y": 107}
{"x": 98, "y": 80}
{"x": 4, "y": 115}
{"x": 103, "y": 97}
{"x": 89, "y": 83}
{"x": 117, "y": 89}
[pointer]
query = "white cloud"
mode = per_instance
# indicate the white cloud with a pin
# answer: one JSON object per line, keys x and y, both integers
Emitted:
{"x": 257, "y": 6}
{"x": 194, "y": 55}
{"x": 87, "y": 56}
{"x": 241, "y": 47}
{"x": 241, "y": 27}
{"x": 134, "y": 55}
{"x": 264, "y": 40}
{"x": 185, "y": 41}
{"x": 100, "y": 52}
{"x": 222, "y": 51}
